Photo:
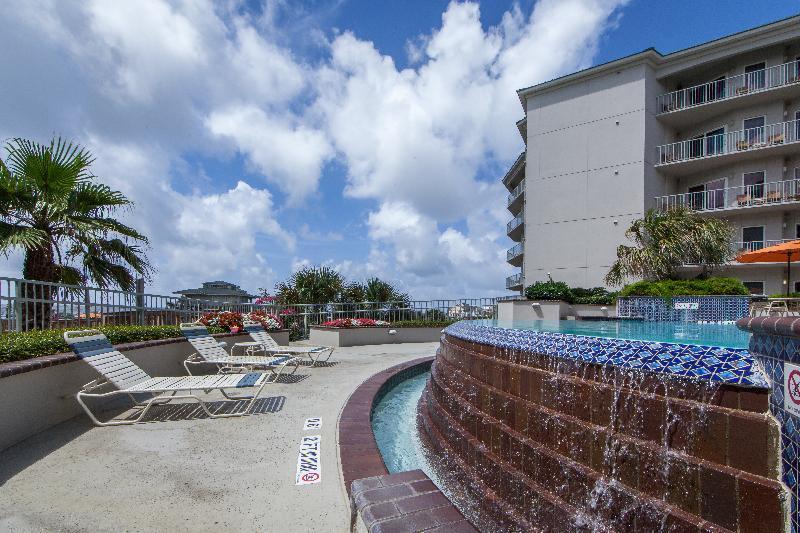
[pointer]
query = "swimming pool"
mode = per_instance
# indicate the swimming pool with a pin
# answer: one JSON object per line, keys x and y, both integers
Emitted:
{"x": 723, "y": 335}
{"x": 395, "y": 428}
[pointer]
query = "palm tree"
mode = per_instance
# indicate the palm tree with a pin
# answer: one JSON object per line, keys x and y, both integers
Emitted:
{"x": 311, "y": 285}
{"x": 377, "y": 290}
{"x": 52, "y": 208}
{"x": 665, "y": 241}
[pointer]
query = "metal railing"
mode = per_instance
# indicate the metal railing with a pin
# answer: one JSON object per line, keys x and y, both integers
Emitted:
{"x": 735, "y": 86}
{"x": 728, "y": 143}
{"x": 26, "y": 305}
{"x": 775, "y": 192}
{"x": 516, "y": 192}
{"x": 752, "y": 246}
{"x": 514, "y": 281}
{"x": 516, "y": 222}
{"x": 514, "y": 251}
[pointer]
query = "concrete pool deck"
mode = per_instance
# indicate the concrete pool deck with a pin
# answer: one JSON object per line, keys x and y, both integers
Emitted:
{"x": 183, "y": 472}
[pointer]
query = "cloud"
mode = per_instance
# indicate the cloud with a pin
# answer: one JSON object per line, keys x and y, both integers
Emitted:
{"x": 160, "y": 88}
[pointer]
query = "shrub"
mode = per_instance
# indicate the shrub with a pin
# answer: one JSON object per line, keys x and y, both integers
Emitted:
{"x": 784, "y": 295}
{"x": 593, "y": 296}
{"x": 686, "y": 287}
{"x": 549, "y": 290}
{"x": 16, "y": 346}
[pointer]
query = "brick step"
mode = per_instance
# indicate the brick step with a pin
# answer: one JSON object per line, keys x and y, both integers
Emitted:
{"x": 696, "y": 487}
{"x": 743, "y": 440}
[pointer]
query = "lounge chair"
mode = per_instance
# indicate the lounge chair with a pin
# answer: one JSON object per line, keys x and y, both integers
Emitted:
{"x": 209, "y": 351}
{"x": 264, "y": 343}
{"x": 121, "y": 376}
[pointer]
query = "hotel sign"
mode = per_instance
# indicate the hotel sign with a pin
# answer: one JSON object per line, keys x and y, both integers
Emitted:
{"x": 791, "y": 396}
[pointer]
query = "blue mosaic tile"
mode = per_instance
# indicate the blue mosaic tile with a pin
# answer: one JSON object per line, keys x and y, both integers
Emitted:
{"x": 706, "y": 363}
{"x": 710, "y": 308}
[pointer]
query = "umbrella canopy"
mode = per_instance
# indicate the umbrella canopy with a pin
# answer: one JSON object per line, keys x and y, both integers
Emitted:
{"x": 779, "y": 253}
{"x": 787, "y": 251}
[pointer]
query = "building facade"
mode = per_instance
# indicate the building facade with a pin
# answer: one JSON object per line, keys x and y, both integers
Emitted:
{"x": 715, "y": 128}
{"x": 218, "y": 291}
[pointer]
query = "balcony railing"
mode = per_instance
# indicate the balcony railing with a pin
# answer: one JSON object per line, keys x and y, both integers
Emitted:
{"x": 515, "y": 251}
{"x": 752, "y": 246}
{"x": 743, "y": 84}
{"x": 729, "y": 143}
{"x": 516, "y": 192}
{"x": 516, "y": 222}
{"x": 776, "y": 192}
{"x": 514, "y": 281}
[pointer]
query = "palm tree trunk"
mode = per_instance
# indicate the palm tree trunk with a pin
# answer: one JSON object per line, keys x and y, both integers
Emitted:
{"x": 39, "y": 265}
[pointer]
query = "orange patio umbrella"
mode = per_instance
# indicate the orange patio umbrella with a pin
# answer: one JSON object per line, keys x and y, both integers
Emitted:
{"x": 787, "y": 251}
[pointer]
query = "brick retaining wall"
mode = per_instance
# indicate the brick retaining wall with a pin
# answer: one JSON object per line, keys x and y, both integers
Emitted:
{"x": 538, "y": 442}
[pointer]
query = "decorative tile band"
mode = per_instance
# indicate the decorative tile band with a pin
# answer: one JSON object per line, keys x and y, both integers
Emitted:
{"x": 703, "y": 363}
{"x": 775, "y": 342}
{"x": 685, "y": 308}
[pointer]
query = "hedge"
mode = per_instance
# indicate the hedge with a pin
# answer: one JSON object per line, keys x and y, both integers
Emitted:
{"x": 16, "y": 346}
{"x": 686, "y": 287}
{"x": 558, "y": 290}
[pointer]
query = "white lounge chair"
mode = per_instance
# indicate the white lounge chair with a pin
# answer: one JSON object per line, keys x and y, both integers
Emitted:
{"x": 209, "y": 351}
{"x": 264, "y": 343}
{"x": 123, "y": 376}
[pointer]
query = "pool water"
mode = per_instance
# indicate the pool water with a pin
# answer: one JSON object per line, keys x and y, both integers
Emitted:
{"x": 394, "y": 423}
{"x": 722, "y": 335}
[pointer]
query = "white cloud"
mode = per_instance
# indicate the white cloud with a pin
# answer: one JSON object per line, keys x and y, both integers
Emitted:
{"x": 149, "y": 84}
{"x": 289, "y": 154}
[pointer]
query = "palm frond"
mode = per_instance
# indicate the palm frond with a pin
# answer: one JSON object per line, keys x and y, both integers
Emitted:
{"x": 17, "y": 236}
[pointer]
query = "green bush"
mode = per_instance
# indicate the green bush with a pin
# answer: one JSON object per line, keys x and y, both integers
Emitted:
{"x": 549, "y": 290}
{"x": 784, "y": 295}
{"x": 593, "y": 296}
{"x": 686, "y": 287}
{"x": 422, "y": 323}
{"x": 16, "y": 346}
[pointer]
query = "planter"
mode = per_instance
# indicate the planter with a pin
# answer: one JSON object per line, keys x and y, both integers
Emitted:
{"x": 340, "y": 337}
{"x": 593, "y": 311}
{"x": 39, "y": 393}
{"x": 527, "y": 310}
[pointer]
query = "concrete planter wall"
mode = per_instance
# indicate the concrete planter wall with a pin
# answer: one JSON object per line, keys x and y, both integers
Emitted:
{"x": 340, "y": 337}
{"x": 527, "y": 310}
{"x": 39, "y": 393}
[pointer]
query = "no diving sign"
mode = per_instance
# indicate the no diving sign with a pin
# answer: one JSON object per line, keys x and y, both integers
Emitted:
{"x": 309, "y": 469}
{"x": 791, "y": 396}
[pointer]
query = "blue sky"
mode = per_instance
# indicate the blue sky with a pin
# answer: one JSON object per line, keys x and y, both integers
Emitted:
{"x": 259, "y": 136}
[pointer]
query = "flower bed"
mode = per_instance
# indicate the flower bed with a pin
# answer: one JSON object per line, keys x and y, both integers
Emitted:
{"x": 234, "y": 321}
{"x": 355, "y": 323}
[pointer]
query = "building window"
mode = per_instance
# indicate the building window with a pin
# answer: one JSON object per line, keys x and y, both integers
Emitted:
{"x": 754, "y": 76}
{"x": 797, "y": 231}
{"x": 753, "y": 131}
{"x": 754, "y": 184}
{"x": 797, "y": 286}
{"x": 752, "y": 238}
{"x": 755, "y": 287}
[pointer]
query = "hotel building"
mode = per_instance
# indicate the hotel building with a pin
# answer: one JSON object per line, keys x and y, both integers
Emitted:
{"x": 715, "y": 128}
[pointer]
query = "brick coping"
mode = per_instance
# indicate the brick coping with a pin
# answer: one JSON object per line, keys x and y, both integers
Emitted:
{"x": 359, "y": 456}
{"x": 786, "y": 326}
{"x": 35, "y": 363}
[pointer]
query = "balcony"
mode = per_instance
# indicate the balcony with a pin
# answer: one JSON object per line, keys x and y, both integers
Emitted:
{"x": 516, "y": 228}
{"x": 516, "y": 197}
{"x": 763, "y": 195}
{"x": 514, "y": 283}
{"x": 740, "y": 247}
{"x": 514, "y": 255}
{"x": 692, "y": 155}
{"x": 693, "y": 104}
